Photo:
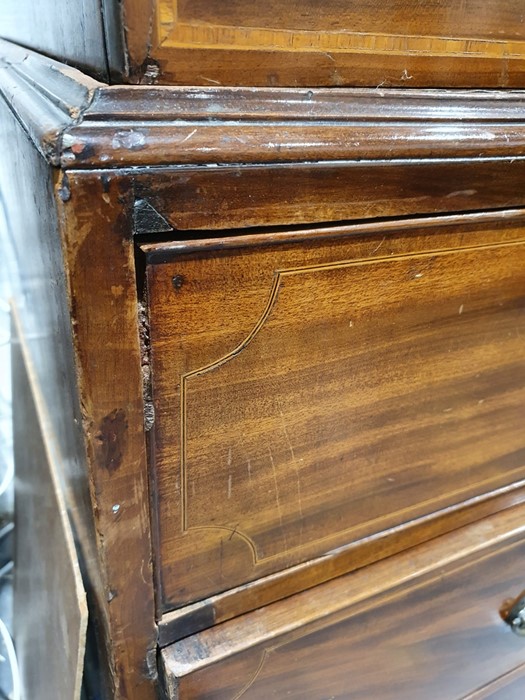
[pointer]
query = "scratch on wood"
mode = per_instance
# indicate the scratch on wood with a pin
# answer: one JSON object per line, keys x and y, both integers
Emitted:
{"x": 233, "y": 532}
{"x": 378, "y": 246}
{"x": 210, "y": 80}
{"x": 294, "y": 462}
{"x": 277, "y": 499}
{"x": 189, "y": 136}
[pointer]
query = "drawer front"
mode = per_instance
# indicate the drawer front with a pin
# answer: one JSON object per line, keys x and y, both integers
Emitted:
{"x": 341, "y": 42}
{"x": 309, "y": 396}
{"x": 438, "y": 637}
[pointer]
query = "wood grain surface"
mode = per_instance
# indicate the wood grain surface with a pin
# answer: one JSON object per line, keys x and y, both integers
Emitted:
{"x": 326, "y": 392}
{"x": 423, "y": 624}
{"x": 258, "y": 197}
{"x": 313, "y": 394}
{"x": 472, "y": 44}
{"x": 476, "y": 43}
{"x": 182, "y": 622}
{"x": 95, "y": 226}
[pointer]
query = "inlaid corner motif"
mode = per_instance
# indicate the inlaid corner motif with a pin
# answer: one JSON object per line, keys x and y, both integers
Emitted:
{"x": 296, "y": 437}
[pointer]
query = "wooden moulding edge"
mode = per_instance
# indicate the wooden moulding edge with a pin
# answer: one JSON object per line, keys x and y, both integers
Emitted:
{"x": 45, "y": 96}
{"x": 77, "y": 122}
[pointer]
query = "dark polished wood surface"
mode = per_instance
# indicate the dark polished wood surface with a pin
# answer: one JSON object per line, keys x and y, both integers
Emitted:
{"x": 424, "y": 624}
{"x": 95, "y": 225}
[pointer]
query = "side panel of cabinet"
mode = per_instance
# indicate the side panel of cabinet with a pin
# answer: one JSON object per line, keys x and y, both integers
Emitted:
{"x": 68, "y": 30}
{"x": 50, "y": 608}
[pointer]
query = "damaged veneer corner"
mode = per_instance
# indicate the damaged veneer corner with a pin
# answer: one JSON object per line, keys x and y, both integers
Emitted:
{"x": 149, "y": 410}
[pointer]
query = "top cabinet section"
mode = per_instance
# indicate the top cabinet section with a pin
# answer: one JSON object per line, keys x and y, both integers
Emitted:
{"x": 438, "y": 43}
{"x": 298, "y": 43}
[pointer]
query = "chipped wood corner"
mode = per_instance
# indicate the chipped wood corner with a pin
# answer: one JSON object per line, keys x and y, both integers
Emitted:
{"x": 46, "y": 96}
{"x": 137, "y": 23}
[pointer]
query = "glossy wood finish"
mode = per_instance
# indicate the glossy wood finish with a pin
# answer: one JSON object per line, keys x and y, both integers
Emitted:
{"x": 257, "y": 197}
{"x": 478, "y": 43}
{"x": 49, "y": 607}
{"x": 424, "y": 624}
{"x": 224, "y": 125}
{"x": 224, "y": 606}
{"x": 311, "y": 395}
{"x": 369, "y": 154}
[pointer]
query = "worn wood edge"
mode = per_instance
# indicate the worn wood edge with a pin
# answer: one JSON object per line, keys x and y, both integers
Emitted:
{"x": 499, "y": 683}
{"x": 352, "y": 593}
{"x": 159, "y": 252}
{"x": 116, "y": 55}
{"x": 77, "y": 122}
{"x": 196, "y": 617}
{"x": 189, "y": 125}
{"x": 251, "y": 104}
{"x": 136, "y": 19}
{"x": 53, "y": 456}
{"x": 130, "y": 621}
{"x": 211, "y": 144}
{"x": 45, "y": 96}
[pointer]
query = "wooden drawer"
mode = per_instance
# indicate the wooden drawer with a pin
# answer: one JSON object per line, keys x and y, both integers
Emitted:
{"x": 320, "y": 394}
{"x": 423, "y": 624}
{"x": 339, "y": 42}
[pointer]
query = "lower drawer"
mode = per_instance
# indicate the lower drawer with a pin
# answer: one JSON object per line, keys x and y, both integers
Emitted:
{"x": 423, "y": 624}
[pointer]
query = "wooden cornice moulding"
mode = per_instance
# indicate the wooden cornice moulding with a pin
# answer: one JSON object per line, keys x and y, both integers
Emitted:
{"x": 46, "y": 96}
{"x": 77, "y": 122}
